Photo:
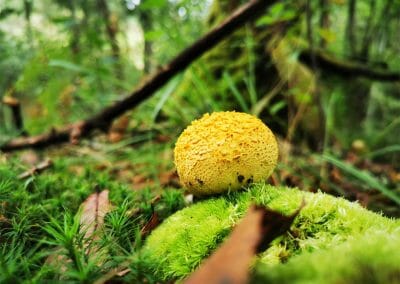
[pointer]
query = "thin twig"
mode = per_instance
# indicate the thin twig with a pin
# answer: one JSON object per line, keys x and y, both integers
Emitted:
{"x": 36, "y": 169}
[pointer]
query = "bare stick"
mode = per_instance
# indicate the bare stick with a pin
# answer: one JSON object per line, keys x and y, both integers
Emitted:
{"x": 36, "y": 169}
{"x": 103, "y": 119}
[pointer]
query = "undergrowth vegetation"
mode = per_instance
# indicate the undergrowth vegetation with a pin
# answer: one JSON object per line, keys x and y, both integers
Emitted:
{"x": 42, "y": 238}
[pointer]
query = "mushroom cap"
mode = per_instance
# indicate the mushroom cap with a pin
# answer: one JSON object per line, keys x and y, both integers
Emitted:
{"x": 225, "y": 151}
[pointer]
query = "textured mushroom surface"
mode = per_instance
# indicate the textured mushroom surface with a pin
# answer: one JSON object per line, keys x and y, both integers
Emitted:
{"x": 225, "y": 151}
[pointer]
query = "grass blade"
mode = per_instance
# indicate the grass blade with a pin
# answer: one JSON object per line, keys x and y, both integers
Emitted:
{"x": 364, "y": 176}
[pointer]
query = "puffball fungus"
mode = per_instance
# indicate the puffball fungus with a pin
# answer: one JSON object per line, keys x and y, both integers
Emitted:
{"x": 225, "y": 151}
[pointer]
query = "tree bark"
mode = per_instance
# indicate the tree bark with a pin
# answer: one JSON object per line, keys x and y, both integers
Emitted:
{"x": 28, "y": 6}
{"x": 324, "y": 22}
{"x": 103, "y": 119}
{"x": 147, "y": 25}
{"x": 75, "y": 38}
{"x": 368, "y": 35}
{"x": 350, "y": 32}
{"x": 111, "y": 25}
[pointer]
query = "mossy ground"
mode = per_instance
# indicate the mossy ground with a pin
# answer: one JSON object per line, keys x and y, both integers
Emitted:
{"x": 31, "y": 210}
{"x": 40, "y": 235}
{"x": 179, "y": 245}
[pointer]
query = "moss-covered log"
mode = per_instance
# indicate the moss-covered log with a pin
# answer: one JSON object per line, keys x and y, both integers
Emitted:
{"x": 179, "y": 245}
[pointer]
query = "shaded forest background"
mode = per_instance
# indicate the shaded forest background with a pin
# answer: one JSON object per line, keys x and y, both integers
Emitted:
{"x": 323, "y": 75}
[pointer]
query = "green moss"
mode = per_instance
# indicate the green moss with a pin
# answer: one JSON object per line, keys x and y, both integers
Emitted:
{"x": 373, "y": 258}
{"x": 31, "y": 210}
{"x": 187, "y": 237}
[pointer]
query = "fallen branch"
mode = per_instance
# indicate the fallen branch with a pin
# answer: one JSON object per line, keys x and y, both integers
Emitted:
{"x": 230, "y": 263}
{"x": 36, "y": 169}
{"x": 103, "y": 119}
{"x": 332, "y": 64}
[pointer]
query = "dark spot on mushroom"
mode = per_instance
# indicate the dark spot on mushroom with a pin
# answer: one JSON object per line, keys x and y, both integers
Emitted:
{"x": 200, "y": 181}
{"x": 240, "y": 178}
{"x": 190, "y": 183}
{"x": 250, "y": 180}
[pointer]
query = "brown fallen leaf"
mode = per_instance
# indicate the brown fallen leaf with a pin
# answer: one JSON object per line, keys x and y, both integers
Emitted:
{"x": 230, "y": 263}
{"x": 140, "y": 182}
{"x": 94, "y": 208}
{"x": 150, "y": 225}
{"x": 29, "y": 158}
{"x": 36, "y": 169}
{"x": 169, "y": 178}
{"x": 161, "y": 138}
{"x": 118, "y": 129}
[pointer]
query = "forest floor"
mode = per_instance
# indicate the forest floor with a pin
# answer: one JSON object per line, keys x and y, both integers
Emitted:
{"x": 128, "y": 188}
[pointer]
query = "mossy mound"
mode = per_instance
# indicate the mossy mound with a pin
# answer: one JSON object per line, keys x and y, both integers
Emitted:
{"x": 178, "y": 246}
{"x": 373, "y": 258}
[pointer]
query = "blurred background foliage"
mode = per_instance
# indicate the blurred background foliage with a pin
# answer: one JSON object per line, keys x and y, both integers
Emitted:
{"x": 66, "y": 59}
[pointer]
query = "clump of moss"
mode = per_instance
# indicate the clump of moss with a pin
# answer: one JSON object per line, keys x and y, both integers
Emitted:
{"x": 178, "y": 246}
{"x": 373, "y": 258}
{"x": 38, "y": 215}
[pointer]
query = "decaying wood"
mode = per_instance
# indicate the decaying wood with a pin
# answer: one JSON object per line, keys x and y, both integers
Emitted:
{"x": 15, "y": 107}
{"x": 36, "y": 169}
{"x": 103, "y": 119}
{"x": 329, "y": 63}
{"x": 230, "y": 263}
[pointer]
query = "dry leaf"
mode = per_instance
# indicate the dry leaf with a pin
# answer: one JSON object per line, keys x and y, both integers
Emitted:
{"x": 94, "y": 208}
{"x": 139, "y": 182}
{"x": 118, "y": 129}
{"x": 161, "y": 138}
{"x": 29, "y": 158}
{"x": 151, "y": 225}
{"x": 169, "y": 178}
{"x": 230, "y": 263}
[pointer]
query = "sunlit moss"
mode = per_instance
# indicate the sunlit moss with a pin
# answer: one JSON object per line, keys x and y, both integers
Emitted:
{"x": 190, "y": 235}
{"x": 372, "y": 258}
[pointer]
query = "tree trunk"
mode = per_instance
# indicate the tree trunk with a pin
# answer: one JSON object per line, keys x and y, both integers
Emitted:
{"x": 383, "y": 24}
{"x": 111, "y": 25}
{"x": 28, "y": 5}
{"x": 324, "y": 20}
{"x": 351, "y": 24}
{"x": 75, "y": 46}
{"x": 147, "y": 25}
{"x": 368, "y": 35}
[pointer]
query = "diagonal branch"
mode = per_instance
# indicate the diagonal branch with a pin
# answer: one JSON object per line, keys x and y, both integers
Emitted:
{"x": 103, "y": 119}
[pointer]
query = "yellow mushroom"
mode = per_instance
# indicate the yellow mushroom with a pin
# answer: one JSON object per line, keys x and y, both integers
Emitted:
{"x": 225, "y": 151}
